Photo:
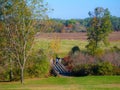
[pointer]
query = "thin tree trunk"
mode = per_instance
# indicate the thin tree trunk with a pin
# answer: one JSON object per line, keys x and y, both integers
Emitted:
{"x": 10, "y": 75}
{"x": 22, "y": 75}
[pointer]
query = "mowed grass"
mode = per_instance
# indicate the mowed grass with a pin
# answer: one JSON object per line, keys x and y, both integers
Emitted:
{"x": 66, "y": 45}
{"x": 66, "y": 83}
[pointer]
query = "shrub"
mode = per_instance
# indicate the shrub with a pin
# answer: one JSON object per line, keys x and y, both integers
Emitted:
{"x": 4, "y": 69}
{"x": 112, "y": 56}
{"x": 99, "y": 52}
{"x": 102, "y": 68}
{"x": 38, "y": 65}
{"x": 116, "y": 70}
{"x": 82, "y": 70}
{"x": 4, "y": 74}
{"x": 16, "y": 74}
{"x": 104, "y": 62}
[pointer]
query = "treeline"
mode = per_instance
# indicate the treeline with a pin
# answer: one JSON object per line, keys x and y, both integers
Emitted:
{"x": 73, "y": 25}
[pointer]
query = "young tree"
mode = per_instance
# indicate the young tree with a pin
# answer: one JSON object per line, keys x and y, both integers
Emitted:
{"x": 100, "y": 27}
{"x": 19, "y": 18}
{"x": 54, "y": 47}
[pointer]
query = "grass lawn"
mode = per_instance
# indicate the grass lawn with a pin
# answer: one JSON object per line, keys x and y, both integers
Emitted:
{"x": 66, "y": 83}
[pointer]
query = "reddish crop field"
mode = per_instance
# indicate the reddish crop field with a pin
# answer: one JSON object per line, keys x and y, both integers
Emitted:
{"x": 114, "y": 36}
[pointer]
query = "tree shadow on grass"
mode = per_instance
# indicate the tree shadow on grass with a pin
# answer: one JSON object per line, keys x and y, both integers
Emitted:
{"x": 4, "y": 81}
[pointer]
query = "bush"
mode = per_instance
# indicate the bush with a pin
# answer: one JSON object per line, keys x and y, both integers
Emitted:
{"x": 4, "y": 69}
{"x": 16, "y": 73}
{"x": 112, "y": 56}
{"x": 82, "y": 70}
{"x": 104, "y": 62}
{"x": 116, "y": 70}
{"x": 102, "y": 68}
{"x": 99, "y": 52}
{"x": 38, "y": 65}
{"x": 4, "y": 74}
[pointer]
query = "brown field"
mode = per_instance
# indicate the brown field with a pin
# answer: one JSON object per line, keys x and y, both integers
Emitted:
{"x": 115, "y": 36}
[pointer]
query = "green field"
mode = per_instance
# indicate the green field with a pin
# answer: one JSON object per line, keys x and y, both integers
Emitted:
{"x": 66, "y": 83}
{"x": 66, "y": 45}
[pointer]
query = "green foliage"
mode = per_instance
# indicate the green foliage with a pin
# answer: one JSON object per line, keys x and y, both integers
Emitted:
{"x": 102, "y": 63}
{"x": 54, "y": 47}
{"x": 99, "y": 52}
{"x": 115, "y": 23}
{"x": 82, "y": 70}
{"x": 116, "y": 49}
{"x": 103, "y": 68}
{"x": 48, "y": 26}
{"x": 100, "y": 27}
{"x": 80, "y": 25}
{"x": 19, "y": 18}
{"x": 116, "y": 70}
{"x": 100, "y": 68}
{"x": 68, "y": 22}
{"x": 4, "y": 74}
{"x": 39, "y": 65}
{"x": 91, "y": 47}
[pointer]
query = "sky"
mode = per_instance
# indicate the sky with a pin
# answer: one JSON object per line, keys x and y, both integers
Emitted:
{"x": 77, "y": 9}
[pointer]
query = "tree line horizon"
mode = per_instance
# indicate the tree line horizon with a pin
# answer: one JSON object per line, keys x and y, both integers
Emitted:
{"x": 77, "y": 25}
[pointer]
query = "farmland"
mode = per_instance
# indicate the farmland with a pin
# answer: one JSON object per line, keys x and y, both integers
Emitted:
{"x": 69, "y": 40}
{"x": 115, "y": 36}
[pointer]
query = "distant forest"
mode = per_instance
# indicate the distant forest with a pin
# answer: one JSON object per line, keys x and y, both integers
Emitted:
{"x": 72, "y": 25}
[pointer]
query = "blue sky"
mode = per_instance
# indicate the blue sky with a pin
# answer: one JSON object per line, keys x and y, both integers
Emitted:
{"x": 68, "y": 9}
